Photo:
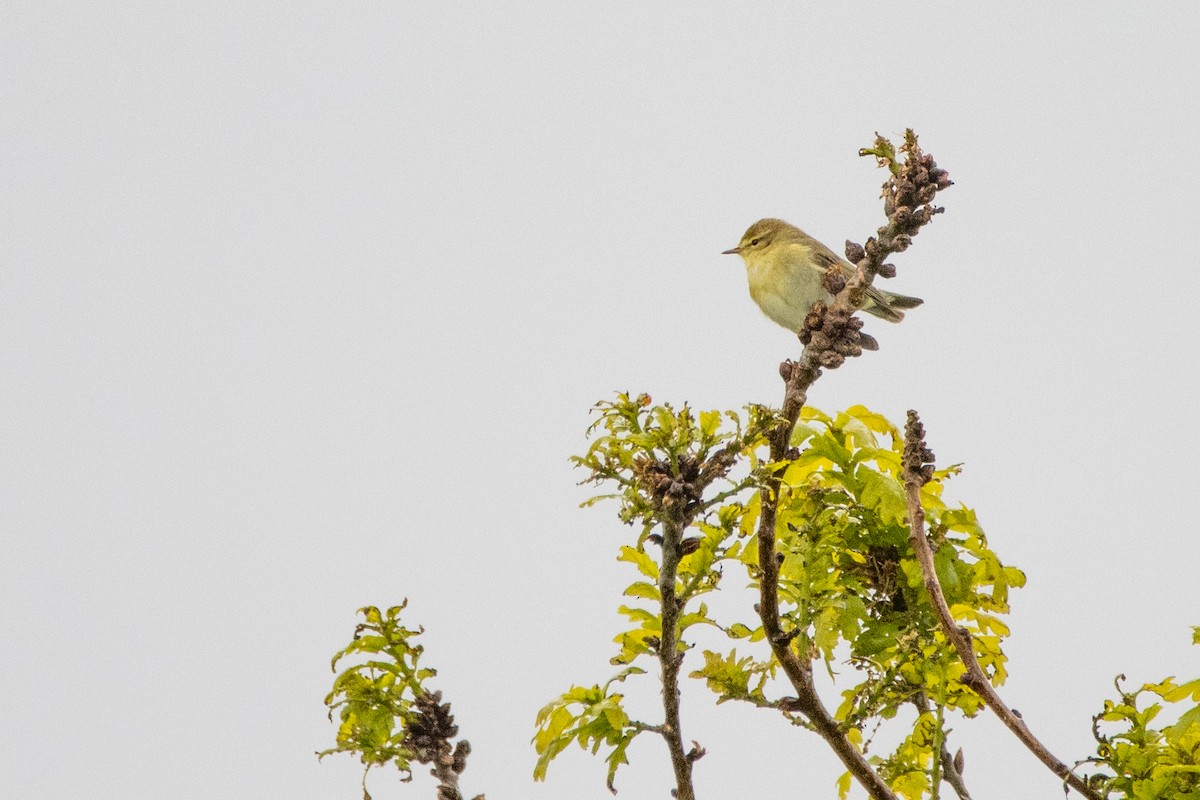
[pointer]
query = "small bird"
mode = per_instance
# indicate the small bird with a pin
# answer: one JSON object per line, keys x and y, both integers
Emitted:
{"x": 786, "y": 268}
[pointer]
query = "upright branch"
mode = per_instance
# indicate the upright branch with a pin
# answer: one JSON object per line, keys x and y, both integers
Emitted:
{"x": 665, "y": 463}
{"x": 918, "y": 470}
{"x": 670, "y": 658}
{"x": 831, "y": 334}
{"x": 675, "y": 491}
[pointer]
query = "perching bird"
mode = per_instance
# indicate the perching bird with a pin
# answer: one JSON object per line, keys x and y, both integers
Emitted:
{"x": 785, "y": 267}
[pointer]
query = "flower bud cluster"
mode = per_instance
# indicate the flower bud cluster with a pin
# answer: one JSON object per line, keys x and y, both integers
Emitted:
{"x": 834, "y": 333}
{"x": 673, "y": 487}
{"x": 429, "y": 732}
{"x": 918, "y": 459}
{"x": 908, "y": 195}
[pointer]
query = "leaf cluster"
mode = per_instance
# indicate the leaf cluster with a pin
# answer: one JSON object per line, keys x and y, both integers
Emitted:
{"x": 377, "y": 698}
{"x": 591, "y": 716}
{"x": 850, "y": 588}
{"x": 662, "y": 460}
{"x": 1146, "y": 762}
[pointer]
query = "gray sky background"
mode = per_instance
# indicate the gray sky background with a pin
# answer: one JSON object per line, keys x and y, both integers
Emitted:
{"x": 303, "y": 307}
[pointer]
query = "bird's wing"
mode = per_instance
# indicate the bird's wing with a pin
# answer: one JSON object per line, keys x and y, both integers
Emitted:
{"x": 824, "y": 258}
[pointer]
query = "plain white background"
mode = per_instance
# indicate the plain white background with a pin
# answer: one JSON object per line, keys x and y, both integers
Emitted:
{"x": 303, "y": 307}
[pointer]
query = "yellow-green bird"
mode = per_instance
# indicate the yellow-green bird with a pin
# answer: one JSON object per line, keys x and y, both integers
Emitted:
{"x": 785, "y": 267}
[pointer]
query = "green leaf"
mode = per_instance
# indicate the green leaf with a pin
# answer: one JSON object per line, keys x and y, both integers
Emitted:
{"x": 828, "y": 448}
{"x": 738, "y": 631}
{"x": 646, "y": 591}
{"x": 883, "y": 494}
{"x": 873, "y": 421}
{"x": 911, "y": 785}
{"x": 826, "y": 630}
{"x": 1190, "y": 689}
{"x": 943, "y": 564}
{"x": 876, "y": 638}
{"x": 858, "y": 434}
{"x": 639, "y": 559}
{"x": 843, "y": 786}
{"x": 802, "y": 433}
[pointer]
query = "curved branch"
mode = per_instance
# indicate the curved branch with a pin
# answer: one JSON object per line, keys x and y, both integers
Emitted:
{"x": 799, "y": 670}
{"x": 918, "y": 467}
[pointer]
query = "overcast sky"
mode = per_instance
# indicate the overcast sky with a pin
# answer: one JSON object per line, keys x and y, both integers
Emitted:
{"x": 303, "y": 307}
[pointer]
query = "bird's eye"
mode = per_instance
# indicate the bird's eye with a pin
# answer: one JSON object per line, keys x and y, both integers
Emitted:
{"x": 753, "y": 242}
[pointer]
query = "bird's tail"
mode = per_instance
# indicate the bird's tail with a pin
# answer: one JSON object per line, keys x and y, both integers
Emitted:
{"x": 887, "y": 305}
{"x": 901, "y": 300}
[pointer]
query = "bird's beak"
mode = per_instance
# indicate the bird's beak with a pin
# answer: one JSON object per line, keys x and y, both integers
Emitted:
{"x": 737, "y": 251}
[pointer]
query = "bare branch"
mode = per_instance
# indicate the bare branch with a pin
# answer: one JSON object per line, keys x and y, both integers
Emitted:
{"x": 669, "y": 657}
{"x": 918, "y": 469}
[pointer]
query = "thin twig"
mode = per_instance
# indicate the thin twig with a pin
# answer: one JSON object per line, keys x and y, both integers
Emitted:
{"x": 950, "y": 770}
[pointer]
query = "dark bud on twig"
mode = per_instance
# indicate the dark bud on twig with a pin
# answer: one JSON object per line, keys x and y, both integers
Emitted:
{"x": 832, "y": 360}
{"x": 848, "y": 348}
{"x": 815, "y": 317}
{"x": 785, "y": 370}
{"x": 959, "y": 761}
{"x": 839, "y": 315}
{"x": 790, "y": 704}
{"x": 689, "y": 546}
{"x": 461, "y": 751}
{"x": 785, "y": 637}
{"x": 697, "y": 752}
{"x": 834, "y": 281}
{"x": 887, "y": 270}
{"x": 854, "y": 252}
{"x": 819, "y": 340}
